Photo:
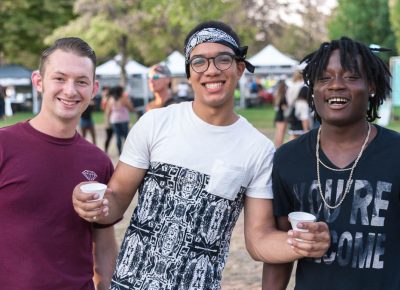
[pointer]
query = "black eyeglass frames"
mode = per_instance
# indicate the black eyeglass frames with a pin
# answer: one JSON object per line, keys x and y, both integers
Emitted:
{"x": 222, "y": 62}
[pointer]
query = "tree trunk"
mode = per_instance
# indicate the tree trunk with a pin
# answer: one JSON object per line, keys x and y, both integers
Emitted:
{"x": 124, "y": 58}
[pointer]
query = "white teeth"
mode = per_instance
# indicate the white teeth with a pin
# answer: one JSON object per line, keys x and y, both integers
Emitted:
{"x": 213, "y": 85}
{"x": 337, "y": 101}
{"x": 69, "y": 103}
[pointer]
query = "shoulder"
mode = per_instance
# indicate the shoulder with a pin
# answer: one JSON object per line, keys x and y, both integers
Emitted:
{"x": 297, "y": 148}
{"x": 252, "y": 135}
{"x": 388, "y": 136}
{"x": 8, "y": 133}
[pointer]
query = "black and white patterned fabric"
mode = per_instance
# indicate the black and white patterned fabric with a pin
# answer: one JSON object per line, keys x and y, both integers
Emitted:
{"x": 209, "y": 34}
{"x": 179, "y": 233}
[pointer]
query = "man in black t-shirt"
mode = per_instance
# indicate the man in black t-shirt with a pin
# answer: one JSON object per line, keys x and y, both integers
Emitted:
{"x": 344, "y": 173}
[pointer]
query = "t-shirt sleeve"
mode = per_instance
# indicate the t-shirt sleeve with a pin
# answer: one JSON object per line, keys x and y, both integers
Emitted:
{"x": 282, "y": 202}
{"x": 136, "y": 151}
{"x": 261, "y": 185}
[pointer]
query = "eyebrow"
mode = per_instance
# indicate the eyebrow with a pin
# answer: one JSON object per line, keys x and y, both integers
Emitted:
{"x": 64, "y": 74}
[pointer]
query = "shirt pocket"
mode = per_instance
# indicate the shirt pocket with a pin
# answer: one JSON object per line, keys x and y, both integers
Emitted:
{"x": 225, "y": 180}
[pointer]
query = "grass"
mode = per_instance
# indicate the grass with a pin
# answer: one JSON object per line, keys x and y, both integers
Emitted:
{"x": 261, "y": 117}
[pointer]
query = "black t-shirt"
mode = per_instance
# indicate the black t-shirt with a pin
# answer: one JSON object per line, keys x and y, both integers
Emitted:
{"x": 365, "y": 229}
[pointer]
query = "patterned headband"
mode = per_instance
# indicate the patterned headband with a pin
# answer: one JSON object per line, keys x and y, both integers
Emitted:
{"x": 215, "y": 35}
{"x": 209, "y": 34}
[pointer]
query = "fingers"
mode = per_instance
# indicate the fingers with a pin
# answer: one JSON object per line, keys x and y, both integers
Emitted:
{"x": 313, "y": 243}
{"x": 87, "y": 206}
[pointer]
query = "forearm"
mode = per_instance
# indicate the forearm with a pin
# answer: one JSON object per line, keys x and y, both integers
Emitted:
{"x": 104, "y": 256}
{"x": 276, "y": 276}
{"x": 271, "y": 246}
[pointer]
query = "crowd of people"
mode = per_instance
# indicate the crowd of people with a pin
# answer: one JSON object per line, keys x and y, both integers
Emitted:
{"x": 195, "y": 165}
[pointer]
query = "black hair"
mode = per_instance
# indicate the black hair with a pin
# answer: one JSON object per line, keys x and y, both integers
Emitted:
{"x": 116, "y": 92}
{"x": 210, "y": 24}
{"x": 68, "y": 44}
{"x": 303, "y": 93}
{"x": 377, "y": 73}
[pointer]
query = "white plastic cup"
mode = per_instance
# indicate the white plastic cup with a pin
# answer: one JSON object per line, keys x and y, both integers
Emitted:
{"x": 298, "y": 217}
{"x": 98, "y": 188}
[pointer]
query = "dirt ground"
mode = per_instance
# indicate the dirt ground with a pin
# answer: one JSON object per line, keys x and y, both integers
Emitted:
{"x": 241, "y": 272}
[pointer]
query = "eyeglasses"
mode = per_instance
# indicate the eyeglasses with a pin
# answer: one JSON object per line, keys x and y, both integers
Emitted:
{"x": 222, "y": 62}
{"x": 156, "y": 77}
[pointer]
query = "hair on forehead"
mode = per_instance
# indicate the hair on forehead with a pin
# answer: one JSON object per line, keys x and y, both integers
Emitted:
{"x": 351, "y": 52}
{"x": 68, "y": 44}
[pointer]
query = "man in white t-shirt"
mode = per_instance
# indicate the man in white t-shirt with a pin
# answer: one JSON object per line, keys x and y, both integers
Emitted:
{"x": 196, "y": 165}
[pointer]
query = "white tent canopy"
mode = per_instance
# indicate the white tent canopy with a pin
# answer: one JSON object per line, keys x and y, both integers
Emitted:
{"x": 136, "y": 73}
{"x": 176, "y": 64}
{"x": 271, "y": 60}
{"x": 112, "y": 68}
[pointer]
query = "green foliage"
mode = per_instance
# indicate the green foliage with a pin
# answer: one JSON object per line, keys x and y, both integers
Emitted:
{"x": 395, "y": 20}
{"x": 364, "y": 20}
{"x": 154, "y": 28}
{"x": 25, "y": 23}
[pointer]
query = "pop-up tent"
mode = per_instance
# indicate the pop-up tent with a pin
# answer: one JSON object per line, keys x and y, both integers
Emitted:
{"x": 109, "y": 74}
{"x": 112, "y": 68}
{"x": 19, "y": 77}
{"x": 176, "y": 64}
{"x": 271, "y": 61}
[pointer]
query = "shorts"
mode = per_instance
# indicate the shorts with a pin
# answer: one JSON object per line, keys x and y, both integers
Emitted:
{"x": 84, "y": 123}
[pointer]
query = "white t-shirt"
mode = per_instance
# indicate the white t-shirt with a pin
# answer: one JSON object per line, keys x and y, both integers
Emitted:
{"x": 176, "y": 135}
{"x": 302, "y": 110}
{"x": 190, "y": 199}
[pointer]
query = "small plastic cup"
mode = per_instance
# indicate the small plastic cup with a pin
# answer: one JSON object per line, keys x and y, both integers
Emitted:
{"x": 298, "y": 217}
{"x": 98, "y": 188}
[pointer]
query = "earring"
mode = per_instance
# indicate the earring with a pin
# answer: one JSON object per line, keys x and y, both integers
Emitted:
{"x": 312, "y": 96}
{"x": 372, "y": 95}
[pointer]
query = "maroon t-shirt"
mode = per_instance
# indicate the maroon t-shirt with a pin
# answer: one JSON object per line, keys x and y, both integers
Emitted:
{"x": 44, "y": 244}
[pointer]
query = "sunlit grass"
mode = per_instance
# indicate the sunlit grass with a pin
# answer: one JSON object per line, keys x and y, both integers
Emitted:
{"x": 261, "y": 117}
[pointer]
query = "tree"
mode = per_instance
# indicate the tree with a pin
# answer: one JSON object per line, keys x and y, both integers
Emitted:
{"x": 25, "y": 23}
{"x": 364, "y": 20}
{"x": 145, "y": 29}
{"x": 394, "y": 6}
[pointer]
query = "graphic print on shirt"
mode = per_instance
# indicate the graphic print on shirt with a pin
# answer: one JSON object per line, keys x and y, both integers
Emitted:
{"x": 89, "y": 175}
{"x": 179, "y": 234}
{"x": 358, "y": 239}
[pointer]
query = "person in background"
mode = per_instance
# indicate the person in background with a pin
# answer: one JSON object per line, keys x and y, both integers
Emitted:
{"x": 344, "y": 173}
{"x": 117, "y": 112}
{"x": 105, "y": 98}
{"x": 293, "y": 90}
{"x": 280, "y": 105}
{"x": 2, "y": 103}
{"x": 196, "y": 165}
{"x": 86, "y": 123}
{"x": 183, "y": 91}
{"x": 159, "y": 80}
{"x": 44, "y": 245}
{"x": 299, "y": 119}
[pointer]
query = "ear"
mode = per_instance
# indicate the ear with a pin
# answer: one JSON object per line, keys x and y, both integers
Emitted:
{"x": 95, "y": 88}
{"x": 371, "y": 89}
{"x": 241, "y": 66}
{"x": 37, "y": 81}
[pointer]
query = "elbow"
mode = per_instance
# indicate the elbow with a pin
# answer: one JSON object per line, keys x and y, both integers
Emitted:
{"x": 253, "y": 250}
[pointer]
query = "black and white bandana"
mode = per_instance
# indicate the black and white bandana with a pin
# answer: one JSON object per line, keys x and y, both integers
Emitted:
{"x": 209, "y": 34}
{"x": 215, "y": 35}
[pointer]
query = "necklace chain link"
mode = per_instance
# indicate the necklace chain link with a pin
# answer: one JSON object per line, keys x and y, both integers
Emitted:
{"x": 349, "y": 181}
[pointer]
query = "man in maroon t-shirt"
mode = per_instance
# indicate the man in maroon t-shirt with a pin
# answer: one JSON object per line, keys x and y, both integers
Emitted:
{"x": 44, "y": 244}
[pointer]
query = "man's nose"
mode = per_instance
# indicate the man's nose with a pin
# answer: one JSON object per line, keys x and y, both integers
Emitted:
{"x": 69, "y": 88}
{"x": 212, "y": 69}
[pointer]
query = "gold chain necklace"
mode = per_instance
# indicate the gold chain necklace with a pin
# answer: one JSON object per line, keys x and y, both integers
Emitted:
{"x": 349, "y": 181}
